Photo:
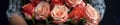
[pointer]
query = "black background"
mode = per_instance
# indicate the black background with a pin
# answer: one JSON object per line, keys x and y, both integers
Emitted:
{"x": 111, "y": 16}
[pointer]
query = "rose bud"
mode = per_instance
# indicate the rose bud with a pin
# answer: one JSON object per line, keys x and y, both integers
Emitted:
{"x": 42, "y": 10}
{"x": 59, "y": 14}
{"x": 28, "y": 10}
{"x": 72, "y": 3}
{"x": 92, "y": 16}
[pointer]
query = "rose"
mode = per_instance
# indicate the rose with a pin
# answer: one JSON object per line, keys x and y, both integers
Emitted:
{"x": 59, "y": 14}
{"x": 35, "y": 1}
{"x": 60, "y": 2}
{"x": 78, "y": 12}
{"x": 42, "y": 10}
{"x": 92, "y": 16}
{"x": 28, "y": 10}
{"x": 56, "y": 2}
{"x": 72, "y": 3}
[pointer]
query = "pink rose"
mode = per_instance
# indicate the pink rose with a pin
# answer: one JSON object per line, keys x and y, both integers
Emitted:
{"x": 59, "y": 13}
{"x": 72, "y": 3}
{"x": 42, "y": 10}
{"x": 56, "y": 2}
{"x": 92, "y": 16}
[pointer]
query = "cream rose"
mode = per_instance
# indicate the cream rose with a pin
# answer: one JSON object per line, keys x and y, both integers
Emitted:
{"x": 42, "y": 10}
{"x": 59, "y": 13}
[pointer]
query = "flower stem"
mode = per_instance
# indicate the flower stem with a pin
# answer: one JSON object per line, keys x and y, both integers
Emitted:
{"x": 47, "y": 21}
{"x": 33, "y": 21}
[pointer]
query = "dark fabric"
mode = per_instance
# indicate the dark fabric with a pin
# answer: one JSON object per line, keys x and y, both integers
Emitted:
{"x": 112, "y": 13}
{"x": 3, "y": 8}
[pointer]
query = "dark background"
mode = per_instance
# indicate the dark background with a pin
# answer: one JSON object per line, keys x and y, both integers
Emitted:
{"x": 111, "y": 16}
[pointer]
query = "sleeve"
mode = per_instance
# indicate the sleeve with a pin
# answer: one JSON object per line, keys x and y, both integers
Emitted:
{"x": 14, "y": 8}
{"x": 99, "y": 5}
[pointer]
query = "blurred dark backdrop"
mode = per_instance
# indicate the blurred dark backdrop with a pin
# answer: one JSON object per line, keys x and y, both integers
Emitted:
{"x": 3, "y": 7}
{"x": 111, "y": 16}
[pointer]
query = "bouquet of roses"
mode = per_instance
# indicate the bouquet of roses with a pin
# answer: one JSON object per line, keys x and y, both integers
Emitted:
{"x": 60, "y": 12}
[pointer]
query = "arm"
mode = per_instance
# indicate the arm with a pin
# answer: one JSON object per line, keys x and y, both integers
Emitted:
{"x": 15, "y": 19}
